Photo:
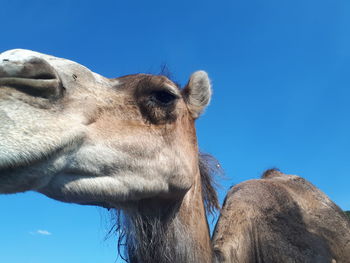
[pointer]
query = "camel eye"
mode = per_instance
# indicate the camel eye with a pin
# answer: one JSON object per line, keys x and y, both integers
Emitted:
{"x": 163, "y": 97}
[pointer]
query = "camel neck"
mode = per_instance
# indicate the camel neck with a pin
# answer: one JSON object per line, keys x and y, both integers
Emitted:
{"x": 192, "y": 214}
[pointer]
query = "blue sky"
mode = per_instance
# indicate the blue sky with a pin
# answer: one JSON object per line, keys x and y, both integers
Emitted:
{"x": 280, "y": 72}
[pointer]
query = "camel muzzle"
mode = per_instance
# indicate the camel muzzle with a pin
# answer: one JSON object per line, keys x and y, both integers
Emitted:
{"x": 29, "y": 74}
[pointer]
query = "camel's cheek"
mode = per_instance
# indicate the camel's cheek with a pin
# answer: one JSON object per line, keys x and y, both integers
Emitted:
{"x": 126, "y": 161}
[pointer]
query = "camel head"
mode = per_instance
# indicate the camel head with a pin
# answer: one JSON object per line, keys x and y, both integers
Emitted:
{"x": 78, "y": 137}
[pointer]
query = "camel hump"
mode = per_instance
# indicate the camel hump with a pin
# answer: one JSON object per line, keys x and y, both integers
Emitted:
{"x": 280, "y": 218}
{"x": 272, "y": 173}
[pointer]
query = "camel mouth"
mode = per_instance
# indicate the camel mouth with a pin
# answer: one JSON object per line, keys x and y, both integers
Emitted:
{"x": 45, "y": 86}
{"x": 16, "y": 166}
{"x": 8, "y": 166}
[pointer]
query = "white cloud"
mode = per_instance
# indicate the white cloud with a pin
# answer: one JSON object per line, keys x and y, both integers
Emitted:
{"x": 41, "y": 232}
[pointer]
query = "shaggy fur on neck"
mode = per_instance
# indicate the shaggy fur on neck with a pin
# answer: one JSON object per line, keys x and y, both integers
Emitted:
{"x": 159, "y": 240}
{"x": 161, "y": 237}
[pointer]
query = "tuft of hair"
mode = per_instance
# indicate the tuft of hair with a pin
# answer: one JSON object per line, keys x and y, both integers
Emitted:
{"x": 271, "y": 173}
{"x": 208, "y": 168}
{"x": 165, "y": 71}
{"x": 197, "y": 93}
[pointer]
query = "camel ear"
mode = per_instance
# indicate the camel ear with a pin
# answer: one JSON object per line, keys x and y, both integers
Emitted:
{"x": 197, "y": 93}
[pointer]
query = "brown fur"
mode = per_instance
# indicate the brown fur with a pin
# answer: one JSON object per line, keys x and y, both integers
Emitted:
{"x": 280, "y": 218}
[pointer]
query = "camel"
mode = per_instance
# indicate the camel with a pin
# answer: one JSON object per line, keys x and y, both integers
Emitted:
{"x": 280, "y": 218}
{"x": 130, "y": 144}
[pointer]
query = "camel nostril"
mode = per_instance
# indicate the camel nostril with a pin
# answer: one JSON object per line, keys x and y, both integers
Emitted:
{"x": 44, "y": 76}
